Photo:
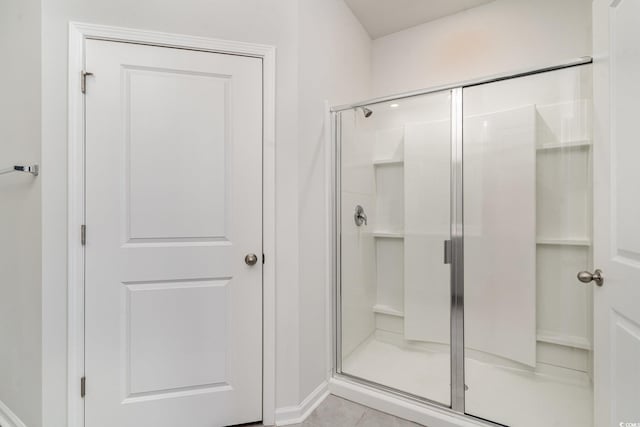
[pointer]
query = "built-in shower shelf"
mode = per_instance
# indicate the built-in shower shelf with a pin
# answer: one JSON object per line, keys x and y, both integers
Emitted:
{"x": 388, "y": 235}
{"x": 579, "y": 143}
{"x": 385, "y": 162}
{"x": 565, "y": 340}
{"x": 389, "y": 311}
{"x": 564, "y": 242}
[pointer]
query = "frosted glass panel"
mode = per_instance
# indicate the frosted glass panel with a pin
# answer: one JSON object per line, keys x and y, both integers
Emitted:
{"x": 394, "y": 285}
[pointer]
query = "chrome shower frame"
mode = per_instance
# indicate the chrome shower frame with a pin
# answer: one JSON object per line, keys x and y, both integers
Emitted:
{"x": 457, "y": 406}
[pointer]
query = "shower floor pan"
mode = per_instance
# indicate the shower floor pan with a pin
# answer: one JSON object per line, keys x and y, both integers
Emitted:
{"x": 514, "y": 397}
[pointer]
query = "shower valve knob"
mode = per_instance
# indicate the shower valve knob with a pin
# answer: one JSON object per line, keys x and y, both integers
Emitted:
{"x": 359, "y": 216}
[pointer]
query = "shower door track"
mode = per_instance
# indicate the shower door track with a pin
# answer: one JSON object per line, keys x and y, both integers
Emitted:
{"x": 457, "y": 405}
{"x": 464, "y": 84}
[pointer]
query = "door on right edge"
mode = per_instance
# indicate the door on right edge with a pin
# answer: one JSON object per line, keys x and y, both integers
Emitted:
{"x": 617, "y": 212}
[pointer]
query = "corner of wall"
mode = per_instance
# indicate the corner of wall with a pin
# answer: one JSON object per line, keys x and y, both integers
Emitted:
{"x": 334, "y": 65}
{"x": 297, "y": 414}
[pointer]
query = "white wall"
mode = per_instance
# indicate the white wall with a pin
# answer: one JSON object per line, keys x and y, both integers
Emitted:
{"x": 20, "y": 355}
{"x": 334, "y": 58}
{"x": 271, "y": 22}
{"x": 501, "y": 36}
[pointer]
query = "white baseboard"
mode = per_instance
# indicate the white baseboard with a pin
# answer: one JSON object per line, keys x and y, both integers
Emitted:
{"x": 297, "y": 414}
{"x": 8, "y": 418}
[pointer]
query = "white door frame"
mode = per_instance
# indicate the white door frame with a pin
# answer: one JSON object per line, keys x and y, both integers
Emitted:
{"x": 78, "y": 33}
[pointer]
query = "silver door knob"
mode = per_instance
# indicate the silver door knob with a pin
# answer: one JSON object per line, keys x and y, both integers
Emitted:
{"x": 596, "y": 276}
{"x": 251, "y": 259}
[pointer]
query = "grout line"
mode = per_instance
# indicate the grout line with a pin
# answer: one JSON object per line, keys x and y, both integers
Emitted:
{"x": 362, "y": 416}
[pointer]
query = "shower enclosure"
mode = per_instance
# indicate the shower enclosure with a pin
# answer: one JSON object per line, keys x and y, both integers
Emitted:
{"x": 462, "y": 215}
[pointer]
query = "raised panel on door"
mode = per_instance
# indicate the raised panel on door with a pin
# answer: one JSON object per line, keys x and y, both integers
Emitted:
{"x": 179, "y": 169}
{"x": 191, "y": 329}
{"x": 173, "y": 204}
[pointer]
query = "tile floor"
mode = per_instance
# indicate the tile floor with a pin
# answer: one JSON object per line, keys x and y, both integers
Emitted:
{"x": 337, "y": 412}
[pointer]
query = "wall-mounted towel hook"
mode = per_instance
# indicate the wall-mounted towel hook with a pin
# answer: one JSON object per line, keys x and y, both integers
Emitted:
{"x": 32, "y": 169}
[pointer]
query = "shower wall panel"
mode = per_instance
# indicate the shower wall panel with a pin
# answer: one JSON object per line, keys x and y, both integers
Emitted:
{"x": 500, "y": 234}
{"x": 427, "y": 289}
{"x": 358, "y": 250}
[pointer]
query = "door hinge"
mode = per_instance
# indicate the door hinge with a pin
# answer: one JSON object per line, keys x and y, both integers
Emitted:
{"x": 263, "y": 258}
{"x": 83, "y": 234}
{"x": 83, "y": 386}
{"x": 447, "y": 251}
{"x": 83, "y": 80}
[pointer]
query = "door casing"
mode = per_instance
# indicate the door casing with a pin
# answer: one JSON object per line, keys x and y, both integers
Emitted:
{"x": 78, "y": 33}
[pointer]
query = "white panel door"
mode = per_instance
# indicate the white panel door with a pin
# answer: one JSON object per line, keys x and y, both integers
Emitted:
{"x": 173, "y": 205}
{"x": 617, "y": 212}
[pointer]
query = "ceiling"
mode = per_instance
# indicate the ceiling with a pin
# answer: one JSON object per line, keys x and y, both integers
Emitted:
{"x": 382, "y": 17}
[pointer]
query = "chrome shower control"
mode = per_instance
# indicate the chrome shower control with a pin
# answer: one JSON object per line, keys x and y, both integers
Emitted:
{"x": 359, "y": 216}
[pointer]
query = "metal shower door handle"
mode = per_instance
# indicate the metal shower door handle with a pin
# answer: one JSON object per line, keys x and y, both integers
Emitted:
{"x": 587, "y": 277}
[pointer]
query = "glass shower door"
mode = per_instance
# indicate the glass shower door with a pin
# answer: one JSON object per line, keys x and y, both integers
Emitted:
{"x": 393, "y": 285}
{"x": 527, "y": 232}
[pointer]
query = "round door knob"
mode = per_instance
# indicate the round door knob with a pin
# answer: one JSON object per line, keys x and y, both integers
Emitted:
{"x": 251, "y": 259}
{"x": 587, "y": 277}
